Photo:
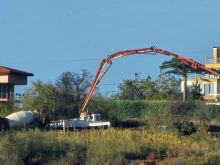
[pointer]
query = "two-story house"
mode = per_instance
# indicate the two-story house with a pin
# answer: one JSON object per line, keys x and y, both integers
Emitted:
{"x": 8, "y": 79}
{"x": 209, "y": 84}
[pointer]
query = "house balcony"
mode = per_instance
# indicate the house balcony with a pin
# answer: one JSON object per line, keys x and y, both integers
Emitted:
{"x": 212, "y": 62}
{"x": 5, "y": 97}
{"x": 201, "y": 78}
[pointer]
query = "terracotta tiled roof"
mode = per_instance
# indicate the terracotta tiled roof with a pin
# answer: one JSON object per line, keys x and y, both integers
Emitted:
{"x": 6, "y": 70}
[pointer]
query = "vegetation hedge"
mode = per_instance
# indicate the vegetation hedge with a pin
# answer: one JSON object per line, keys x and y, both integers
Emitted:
{"x": 138, "y": 109}
{"x": 125, "y": 109}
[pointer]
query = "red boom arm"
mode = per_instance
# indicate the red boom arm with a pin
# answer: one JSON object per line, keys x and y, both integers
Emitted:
{"x": 152, "y": 50}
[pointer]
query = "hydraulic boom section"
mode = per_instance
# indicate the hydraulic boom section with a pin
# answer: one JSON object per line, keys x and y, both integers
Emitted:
{"x": 187, "y": 61}
{"x": 101, "y": 72}
{"x": 151, "y": 50}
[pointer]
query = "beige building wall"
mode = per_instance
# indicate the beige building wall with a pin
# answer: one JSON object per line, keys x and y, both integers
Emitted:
{"x": 3, "y": 78}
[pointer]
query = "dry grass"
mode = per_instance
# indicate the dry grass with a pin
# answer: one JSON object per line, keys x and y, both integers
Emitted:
{"x": 112, "y": 146}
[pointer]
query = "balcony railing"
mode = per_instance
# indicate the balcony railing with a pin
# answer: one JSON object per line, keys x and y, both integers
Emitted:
{"x": 211, "y": 60}
{"x": 193, "y": 77}
{"x": 10, "y": 96}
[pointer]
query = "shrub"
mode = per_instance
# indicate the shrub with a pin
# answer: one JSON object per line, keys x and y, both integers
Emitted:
{"x": 41, "y": 147}
{"x": 213, "y": 159}
{"x": 7, "y": 108}
{"x": 186, "y": 127}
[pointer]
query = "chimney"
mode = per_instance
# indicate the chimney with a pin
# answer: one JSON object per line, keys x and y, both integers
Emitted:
{"x": 216, "y": 54}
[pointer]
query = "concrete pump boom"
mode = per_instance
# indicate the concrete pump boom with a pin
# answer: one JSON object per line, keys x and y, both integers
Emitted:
{"x": 151, "y": 50}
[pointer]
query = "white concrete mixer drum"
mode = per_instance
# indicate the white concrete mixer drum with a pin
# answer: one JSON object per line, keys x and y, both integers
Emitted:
{"x": 20, "y": 119}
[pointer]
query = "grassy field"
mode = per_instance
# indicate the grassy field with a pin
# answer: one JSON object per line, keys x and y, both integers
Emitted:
{"x": 123, "y": 145}
{"x": 110, "y": 146}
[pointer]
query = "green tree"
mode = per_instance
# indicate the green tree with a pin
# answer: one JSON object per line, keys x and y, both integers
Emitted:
{"x": 136, "y": 89}
{"x": 7, "y": 108}
{"x": 72, "y": 88}
{"x": 140, "y": 89}
{"x": 127, "y": 90}
{"x": 175, "y": 66}
{"x": 166, "y": 86}
{"x": 60, "y": 100}
{"x": 148, "y": 88}
{"x": 41, "y": 97}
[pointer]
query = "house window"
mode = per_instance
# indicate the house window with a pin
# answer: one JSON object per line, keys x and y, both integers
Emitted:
{"x": 209, "y": 89}
{"x": 202, "y": 88}
{"x": 212, "y": 76}
{"x": 3, "y": 91}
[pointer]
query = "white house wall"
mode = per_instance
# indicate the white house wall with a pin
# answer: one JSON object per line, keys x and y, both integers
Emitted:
{"x": 202, "y": 86}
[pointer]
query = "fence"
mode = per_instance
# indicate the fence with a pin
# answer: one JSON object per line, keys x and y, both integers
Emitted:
{"x": 11, "y": 96}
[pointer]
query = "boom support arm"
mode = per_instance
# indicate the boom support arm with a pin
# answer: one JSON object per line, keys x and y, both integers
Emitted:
{"x": 101, "y": 72}
{"x": 187, "y": 61}
{"x": 151, "y": 50}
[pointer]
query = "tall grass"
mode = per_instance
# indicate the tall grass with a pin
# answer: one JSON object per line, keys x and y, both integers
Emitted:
{"x": 137, "y": 109}
{"x": 111, "y": 146}
{"x": 125, "y": 109}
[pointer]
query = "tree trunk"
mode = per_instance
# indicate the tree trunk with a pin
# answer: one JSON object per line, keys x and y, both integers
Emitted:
{"x": 184, "y": 87}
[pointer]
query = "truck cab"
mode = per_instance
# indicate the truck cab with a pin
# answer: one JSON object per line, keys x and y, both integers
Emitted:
{"x": 96, "y": 117}
{"x": 92, "y": 118}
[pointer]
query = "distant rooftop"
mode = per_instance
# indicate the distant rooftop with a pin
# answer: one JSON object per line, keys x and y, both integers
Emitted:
{"x": 6, "y": 70}
{"x": 216, "y": 47}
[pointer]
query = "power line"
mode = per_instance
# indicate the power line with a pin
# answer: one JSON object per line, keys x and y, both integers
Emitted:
{"x": 97, "y": 86}
{"x": 55, "y": 61}
{"x": 196, "y": 52}
{"x": 113, "y": 91}
{"x": 108, "y": 84}
{"x": 81, "y": 60}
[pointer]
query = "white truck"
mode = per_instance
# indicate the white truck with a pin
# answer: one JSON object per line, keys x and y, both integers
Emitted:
{"x": 21, "y": 119}
{"x": 84, "y": 122}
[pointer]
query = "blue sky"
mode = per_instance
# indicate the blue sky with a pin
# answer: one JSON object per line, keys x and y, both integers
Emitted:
{"x": 50, "y": 37}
